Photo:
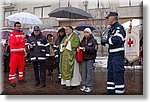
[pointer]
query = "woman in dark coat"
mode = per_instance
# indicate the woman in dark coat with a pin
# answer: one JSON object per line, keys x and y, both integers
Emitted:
{"x": 89, "y": 48}
{"x": 61, "y": 35}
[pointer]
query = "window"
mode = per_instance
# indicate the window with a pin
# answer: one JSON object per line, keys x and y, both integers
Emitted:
{"x": 104, "y": 3}
{"x": 42, "y": 12}
{"x": 46, "y": 11}
{"x": 129, "y": 2}
{"x": 13, "y": 12}
{"x": 64, "y": 3}
{"x": 124, "y": 3}
{"x": 135, "y": 2}
{"x": 6, "y": 14}
{"x": 38, "y": 12}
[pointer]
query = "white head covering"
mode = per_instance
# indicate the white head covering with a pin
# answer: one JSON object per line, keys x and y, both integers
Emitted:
{"x": 87, "y": 30}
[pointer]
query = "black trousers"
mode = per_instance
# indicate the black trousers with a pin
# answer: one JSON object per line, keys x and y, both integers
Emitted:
{"x": 6, "y": 63}
{"x": 50, "y": 64}
{"x": 39, "y": 71}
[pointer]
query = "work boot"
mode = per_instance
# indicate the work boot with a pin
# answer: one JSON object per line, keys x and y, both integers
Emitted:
{"x": 58, "y": 81}
{"x": 43, "y": 85}
{"x": 37, "y": 84}
{"x": 13, "y": 84}
{"x": 69, "y": 87}
{"x": 22, "y": 81}
{"x": 64, "y": 86}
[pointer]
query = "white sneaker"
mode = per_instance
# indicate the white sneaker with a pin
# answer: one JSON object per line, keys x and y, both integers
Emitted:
{"x": 83, "y": 88}
{"x": 88, "y": 89}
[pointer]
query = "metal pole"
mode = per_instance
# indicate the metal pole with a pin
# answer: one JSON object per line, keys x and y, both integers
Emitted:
{"x": 97, "y": 3}
{"x": 70, "y": 20}
{"x": 68, "y": 3}
{"x": 70, "y": 13}
{"x": 59, "y": 3}
{"x": 129, "y": 2}
{"x": 85, "y": 3}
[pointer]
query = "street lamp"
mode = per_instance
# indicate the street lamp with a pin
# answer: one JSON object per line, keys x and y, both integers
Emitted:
{"x": 85, "y": 3}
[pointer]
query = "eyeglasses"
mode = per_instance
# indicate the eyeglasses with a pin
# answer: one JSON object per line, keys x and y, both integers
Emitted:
{"x": 36, "y": 30}
{"x": 18, "y": 26}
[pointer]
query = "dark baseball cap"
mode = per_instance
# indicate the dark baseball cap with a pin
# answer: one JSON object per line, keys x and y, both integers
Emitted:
{"x": 36, "y": 28}
{"x": 112, "y": 14}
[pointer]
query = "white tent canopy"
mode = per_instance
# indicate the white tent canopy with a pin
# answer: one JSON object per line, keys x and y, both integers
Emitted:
{"x": 135, "y": 22}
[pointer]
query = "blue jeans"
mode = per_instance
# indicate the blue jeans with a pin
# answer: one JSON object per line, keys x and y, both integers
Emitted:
{"x": 87, "y": 73}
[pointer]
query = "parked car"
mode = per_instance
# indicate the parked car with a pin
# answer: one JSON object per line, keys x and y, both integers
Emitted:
{"x": 4, "y": 36}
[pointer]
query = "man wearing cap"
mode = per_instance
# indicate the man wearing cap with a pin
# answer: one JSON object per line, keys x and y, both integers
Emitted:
{"x": 39, "y": 47}
{"x": 89, "y": 48}
{"x": 115, "y": 40}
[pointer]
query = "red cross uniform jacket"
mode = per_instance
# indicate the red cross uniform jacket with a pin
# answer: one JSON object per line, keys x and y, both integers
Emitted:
{"x": 17, "y": 41}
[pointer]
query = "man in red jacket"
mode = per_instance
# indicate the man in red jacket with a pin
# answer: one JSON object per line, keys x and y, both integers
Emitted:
{"x": 17, "y": 57}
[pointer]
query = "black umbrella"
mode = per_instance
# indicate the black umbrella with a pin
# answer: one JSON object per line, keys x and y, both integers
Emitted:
{"x": 82, "y": 26}
{"x": 69, "y": 12}
{"x": 43, "y": 27}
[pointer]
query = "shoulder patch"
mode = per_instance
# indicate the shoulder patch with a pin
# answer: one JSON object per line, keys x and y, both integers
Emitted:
{"x": 117, "y": 31}
{"x": 118, "y": 28}
{"x": 89, "y": 44}
{"x": 11, "y": 34}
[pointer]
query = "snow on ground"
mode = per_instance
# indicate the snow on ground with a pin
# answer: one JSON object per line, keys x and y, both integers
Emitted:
{"x": 101, "y": 62}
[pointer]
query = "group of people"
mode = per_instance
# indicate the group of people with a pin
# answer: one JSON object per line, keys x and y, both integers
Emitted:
{"x": 62, "y": 54}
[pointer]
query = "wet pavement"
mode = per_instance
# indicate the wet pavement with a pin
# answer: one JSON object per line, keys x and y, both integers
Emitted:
{"x": 133, "y": 84}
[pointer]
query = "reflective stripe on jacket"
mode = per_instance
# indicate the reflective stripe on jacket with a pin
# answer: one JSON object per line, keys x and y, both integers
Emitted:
{"x": 16, "y": 41}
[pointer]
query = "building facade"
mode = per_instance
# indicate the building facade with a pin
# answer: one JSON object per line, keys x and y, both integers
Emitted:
{"x": 97, "y": 8}
{"x": 127, "y": 9}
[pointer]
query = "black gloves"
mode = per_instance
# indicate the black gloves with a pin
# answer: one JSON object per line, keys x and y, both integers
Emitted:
{"x": 104, "y": 38}
{"x": 103, "y": 41}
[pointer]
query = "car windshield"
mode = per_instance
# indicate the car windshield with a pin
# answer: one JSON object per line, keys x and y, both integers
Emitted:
{"x": 4, "y": 34}
{"x": 97, "y": 36}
